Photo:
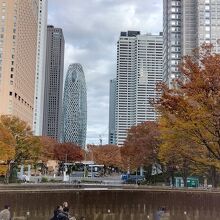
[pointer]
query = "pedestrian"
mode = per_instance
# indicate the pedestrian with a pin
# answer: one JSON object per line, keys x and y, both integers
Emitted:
{"x": 166, "y": 214}
{"x": 65, "y": 205}
{"x": 159, "y": 213}
{"x": 5, "y": 213}
{"x": 66, "y": 211}
{"x": 63, "y": 215}
{"x": 56, "y": 212}
{"x": 162, "y": 214}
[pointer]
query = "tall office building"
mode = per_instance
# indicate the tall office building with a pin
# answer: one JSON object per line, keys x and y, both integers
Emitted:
{"x": 52, "y": 115}
{"x": 18, "y": 43}
{"x": 187, "y": 25}
{"x": 112, "y": 99}
{"x": 40, "y": 68}
{"x": 139, "y": 69}
{"x": 75, "y": 106}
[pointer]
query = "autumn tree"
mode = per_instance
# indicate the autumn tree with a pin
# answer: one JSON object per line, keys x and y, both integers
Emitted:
{"x": 21, "y": 131}
{"x": 68, "y": 152}
{"x": 141, "y": 145}
{"x": 48, "y": 145}
{"x": 26, "y": 147}
{"x": 190, "y": 111}
{"x": 7, "y": 149}
{"x": 108, "y": 155}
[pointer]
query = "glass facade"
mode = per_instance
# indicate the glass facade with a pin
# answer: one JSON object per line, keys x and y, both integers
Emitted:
{"x": 75, "y": 107}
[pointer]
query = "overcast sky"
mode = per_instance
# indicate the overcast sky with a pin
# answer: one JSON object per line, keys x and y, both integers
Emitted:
{"x": 91, "y": 30}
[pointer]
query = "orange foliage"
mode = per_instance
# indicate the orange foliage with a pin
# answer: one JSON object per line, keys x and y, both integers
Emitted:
{"x": 190, "y": 111}
{"x": 108, "y": 155}
{"x": 69, "y": 151}
{"x": 48, "y": 145}
{"x": 141, "y": 146}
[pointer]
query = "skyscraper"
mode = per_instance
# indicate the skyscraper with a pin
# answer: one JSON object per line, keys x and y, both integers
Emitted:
{"x": 187, "y": 25}
{"x": 52, "y": 115}
{"x": 40, "y": 68}
{"x": 112, "y": 99}
{"x": 139, "y": 69}
{"x": 18, "y": 43}
{"x": 75, "y": 106}
{"x": 172, "y": 39}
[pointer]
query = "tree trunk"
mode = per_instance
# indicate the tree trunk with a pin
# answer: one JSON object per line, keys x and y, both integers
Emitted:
{"x": 172, "y": 177}
{"x": 6, "y": 180}
{"x": 214, "y": 177}
{"x": 185, "y": 172}
{"x": 185, "y": 180}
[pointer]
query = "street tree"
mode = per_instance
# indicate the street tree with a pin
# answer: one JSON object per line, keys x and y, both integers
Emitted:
{"x": 48, "y": 144}
{"x": 68, "y": 152}
{"x": 190, "y": 111}
{"x": 141, "y": 146}
{"x": 26, "y": 147}
{"x": 108, "y": 155}
{"x": 7, "y": 149}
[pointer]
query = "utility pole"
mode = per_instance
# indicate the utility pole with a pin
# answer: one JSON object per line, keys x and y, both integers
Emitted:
{"x": 100, "y": 140}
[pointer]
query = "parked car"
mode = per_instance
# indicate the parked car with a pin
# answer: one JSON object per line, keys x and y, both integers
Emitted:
{"x": 132, "y": 179}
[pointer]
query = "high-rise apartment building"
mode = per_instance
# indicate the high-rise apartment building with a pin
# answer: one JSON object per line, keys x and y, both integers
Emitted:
{"x": 18, "y": 43}
{"x": 112, "y": 99}
{"x": 187, "y": 25}
{"x": 172, "y": 39}
{"x": 75, "y": 106}
{"x": 139, "y": 69}
{"x": 40, "y": 68}
{"x": 52, "y": 115}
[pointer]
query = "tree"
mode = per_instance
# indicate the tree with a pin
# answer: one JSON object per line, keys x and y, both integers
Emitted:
{"x": 22, "y": 134}
{"x": 26, "y": 147}
{"x": 7, "y": 149}
{"x": 48, "y": 144}
{"x": 141, "y": 145}
{"x": 68, "y": 152}
{"x": 190, "y": 111}
{"x": 108, "y": 155}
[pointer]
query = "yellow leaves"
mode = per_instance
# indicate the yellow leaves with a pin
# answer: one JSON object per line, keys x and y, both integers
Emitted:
{"x": 7, "y": 144}
{"x": 7, "y": 152}
{"x": 190, "y": 113}
{"x": 16, "y": 126}
{"x": 3, "y": 169}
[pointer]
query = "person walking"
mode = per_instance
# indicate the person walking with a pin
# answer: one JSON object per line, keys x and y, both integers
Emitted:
{"x": 5, "y": 213}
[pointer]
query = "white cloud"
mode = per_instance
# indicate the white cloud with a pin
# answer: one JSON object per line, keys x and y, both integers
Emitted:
{"x": 91, "y": 30}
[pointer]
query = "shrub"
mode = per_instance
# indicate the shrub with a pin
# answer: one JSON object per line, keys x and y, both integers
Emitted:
{"x": 44, "y": 180}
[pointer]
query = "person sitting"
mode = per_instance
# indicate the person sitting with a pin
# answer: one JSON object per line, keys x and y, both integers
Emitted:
{"x": 56, "y": 212}
{"x": 62, "y": 215}
{"x": 65, "y": 205}
{"x": 66, "y": 211}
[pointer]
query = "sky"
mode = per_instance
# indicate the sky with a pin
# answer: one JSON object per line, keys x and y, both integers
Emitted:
{"x": 91, "y": 30}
